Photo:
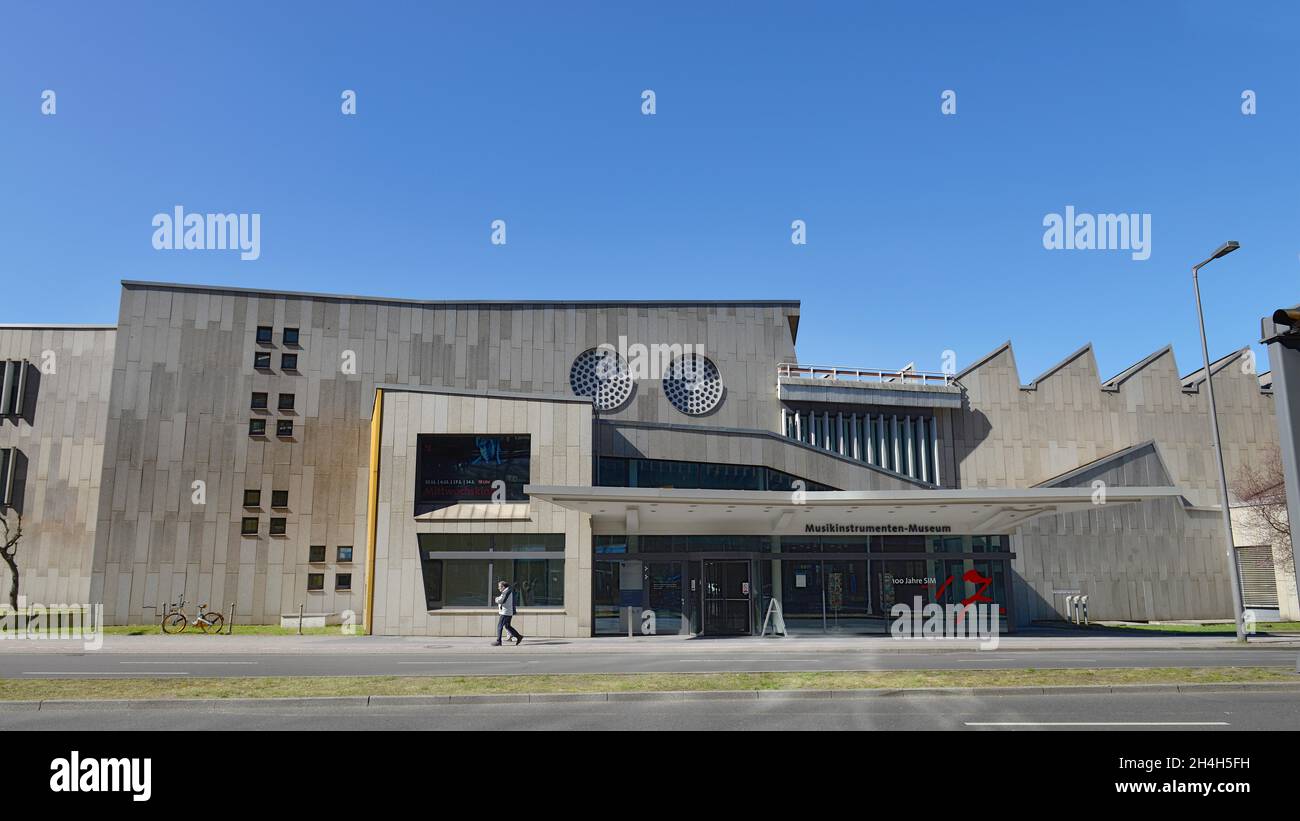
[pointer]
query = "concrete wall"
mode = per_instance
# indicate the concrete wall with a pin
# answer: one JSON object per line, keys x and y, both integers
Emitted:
{"x": 1159, "y": 560}
{"x": 1014, "y": 436}
{"x": 560, "y": 453}
{"x": 1136, "y": 562}
{"x": 60, "y": 437}
{"x": 179, "y": 412}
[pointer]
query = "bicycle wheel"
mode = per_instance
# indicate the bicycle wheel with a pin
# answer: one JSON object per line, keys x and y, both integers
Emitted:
{"x": 212, "y": 622}
{"x": 174, "y": 623}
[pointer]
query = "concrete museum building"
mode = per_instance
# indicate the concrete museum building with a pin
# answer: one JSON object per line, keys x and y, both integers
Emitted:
{"x": 646, "y": 467}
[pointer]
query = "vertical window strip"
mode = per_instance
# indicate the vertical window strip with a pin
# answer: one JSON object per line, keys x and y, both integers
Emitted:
{"x": 923, "y": 440}
{"x": 934, "y": 447}
{"x": 8, "y": 462}
{"x": 7, "y": 388}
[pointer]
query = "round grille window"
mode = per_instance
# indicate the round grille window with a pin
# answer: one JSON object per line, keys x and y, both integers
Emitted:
{"x": 693, "y": 385}
{"x": 603, "y": 375}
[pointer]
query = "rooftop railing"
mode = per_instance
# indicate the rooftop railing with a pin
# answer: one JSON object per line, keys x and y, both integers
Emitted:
{"x": 905, "y": 375}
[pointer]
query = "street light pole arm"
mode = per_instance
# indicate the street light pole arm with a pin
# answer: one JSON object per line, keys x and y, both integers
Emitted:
{"x": 1234, "y": 574}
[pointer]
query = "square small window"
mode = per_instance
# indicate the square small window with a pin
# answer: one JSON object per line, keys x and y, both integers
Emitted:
{"x": 252, "y": 498}
{"x": 259, "y": 401}
{"x": 264, "y": 334}
{"x": 262, "y": 360}
{"x": 279, "y": 526}
{"x": 316, "y": 554}
{"x": 288, "y": 362}
{"x": 345, "y": 554}
{"x": 256, "y": 427}
{"x": 279, "y": 498}
{"x": 343, "y": 581}
{"x": 284, "y": 427}
{"x": 291, "y": 336}
{"x": 248, "y": 526}
{"x": 286, "y": 402}
{"x": 315, "y": 581}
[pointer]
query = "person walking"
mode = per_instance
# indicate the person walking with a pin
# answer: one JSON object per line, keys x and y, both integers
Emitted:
{"x": 506, "y": 611}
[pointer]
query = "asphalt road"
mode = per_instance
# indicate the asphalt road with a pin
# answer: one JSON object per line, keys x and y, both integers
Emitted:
{"x": 1239, "y": 710}
{"x": 537, "y": 661}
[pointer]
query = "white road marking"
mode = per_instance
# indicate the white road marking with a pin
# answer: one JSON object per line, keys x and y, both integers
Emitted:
{"x": 1096, "y": 723}
{"x": 99, "y": 673}
{"x": 187, "y": 662}
{"x": 726, "y": 659}
{"x": 470, "y": 663}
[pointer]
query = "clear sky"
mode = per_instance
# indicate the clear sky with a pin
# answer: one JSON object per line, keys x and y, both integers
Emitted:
{"x": 924, "y": 230}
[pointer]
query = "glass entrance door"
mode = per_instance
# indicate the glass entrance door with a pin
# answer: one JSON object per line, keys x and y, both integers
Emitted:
{"x": 663, "y": 591}
{"x": 726, "y": 598}
{"x": 847, "y": 598}
{"x": 803, "y": 604}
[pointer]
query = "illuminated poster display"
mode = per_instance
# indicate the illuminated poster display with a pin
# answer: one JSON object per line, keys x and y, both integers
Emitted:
{"x": 453, "y": 468}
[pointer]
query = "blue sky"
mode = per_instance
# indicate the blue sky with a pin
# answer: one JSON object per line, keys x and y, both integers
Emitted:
{"x": 925, "y": 231}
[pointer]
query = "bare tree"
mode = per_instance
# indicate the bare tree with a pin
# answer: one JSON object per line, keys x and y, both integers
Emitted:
{"x": 1263, "y": 495}
{"x": 12, "y": 533}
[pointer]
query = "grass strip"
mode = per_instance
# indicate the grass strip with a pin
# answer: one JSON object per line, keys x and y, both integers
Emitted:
{"x": 239, "y": 630}
{"x": 290, "y": 687}
{"x": 1261, "y": 628}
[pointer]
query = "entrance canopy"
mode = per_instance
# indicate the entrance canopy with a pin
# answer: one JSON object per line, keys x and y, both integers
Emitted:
{"x": 840, "y": 512}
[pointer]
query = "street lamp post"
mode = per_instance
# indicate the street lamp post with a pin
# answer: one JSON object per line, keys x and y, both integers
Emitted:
{"x": 1233, "y": 573}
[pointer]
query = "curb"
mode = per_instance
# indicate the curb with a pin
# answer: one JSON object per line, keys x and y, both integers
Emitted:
{"x": 633, "y": 696}
{"x": 408, "y": 701}
{"x": 685, "y": 695}
{"x": 502, "y": 698}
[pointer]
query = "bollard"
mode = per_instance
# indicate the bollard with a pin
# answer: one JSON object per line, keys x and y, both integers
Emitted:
{"x": 230, "y": 622}
{"x": 629, "y": 621}
{"x": 1084, "y": 604}
{"x": 300, "y": 607}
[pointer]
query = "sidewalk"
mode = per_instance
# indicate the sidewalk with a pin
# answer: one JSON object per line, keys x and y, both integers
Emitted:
{"x": 327, "y": 644}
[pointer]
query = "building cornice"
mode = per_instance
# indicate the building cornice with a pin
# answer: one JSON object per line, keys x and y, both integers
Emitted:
{"x": 131, "y": 284}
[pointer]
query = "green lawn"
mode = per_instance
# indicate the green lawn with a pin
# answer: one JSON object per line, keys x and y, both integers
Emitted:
{"x": 284, "y": 687}
{"x": 154, "y": 628}
{"x": 239, "y": 630}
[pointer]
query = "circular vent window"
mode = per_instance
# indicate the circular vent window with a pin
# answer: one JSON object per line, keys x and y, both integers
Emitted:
{"x": 603, "y": 375}
{"x": 693, "y": 385}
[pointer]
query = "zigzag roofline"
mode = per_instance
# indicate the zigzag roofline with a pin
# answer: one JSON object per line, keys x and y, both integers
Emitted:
{"x": 1193, "y": 380}
{"x": 1114, "y": 383}
{"x": 1045, "y": 375}
{"x": 1190, "y": 383}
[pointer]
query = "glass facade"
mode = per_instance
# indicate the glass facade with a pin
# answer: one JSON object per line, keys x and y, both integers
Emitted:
{"x": 907, "y": 444}
{"x": 653, "y": 584}
{"x": 462, "y": 569}
{"x": 665, "y": 473}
